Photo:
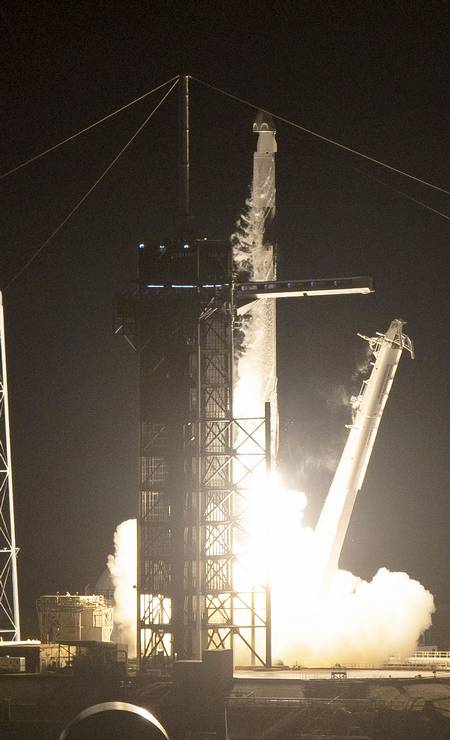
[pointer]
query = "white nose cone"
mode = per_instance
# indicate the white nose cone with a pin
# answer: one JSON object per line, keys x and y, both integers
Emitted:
{"x": 264, "y": 167}
{"x": 266, "y": 140}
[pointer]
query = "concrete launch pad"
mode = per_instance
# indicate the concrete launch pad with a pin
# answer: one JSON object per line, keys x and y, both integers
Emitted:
{"x": 306, "y": 674}
{"x": 368, "y": 703}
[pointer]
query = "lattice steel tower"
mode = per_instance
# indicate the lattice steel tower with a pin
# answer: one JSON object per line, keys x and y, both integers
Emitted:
{"x": 191, "y": 474}
{"x": 180, "y": 321}
{"x": 9, "y": 595}
{"x": 196, "y": 458}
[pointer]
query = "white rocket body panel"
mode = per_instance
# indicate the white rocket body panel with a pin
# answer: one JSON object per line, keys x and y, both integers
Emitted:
{"x": 264, "y": 264}
{"x": 349, "y": 476}
{"x": 254, "y": 257}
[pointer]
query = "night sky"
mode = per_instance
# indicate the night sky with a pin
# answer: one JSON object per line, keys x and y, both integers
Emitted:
{"x": 374, "y": 80}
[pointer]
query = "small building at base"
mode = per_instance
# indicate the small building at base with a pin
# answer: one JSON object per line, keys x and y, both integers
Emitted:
{"x": 66, "y": 617}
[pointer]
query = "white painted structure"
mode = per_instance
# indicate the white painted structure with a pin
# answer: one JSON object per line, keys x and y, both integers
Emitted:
{"x": 368, "y": 409}
{"x": 67, "y": 617}
{"x": 9, "y": 594}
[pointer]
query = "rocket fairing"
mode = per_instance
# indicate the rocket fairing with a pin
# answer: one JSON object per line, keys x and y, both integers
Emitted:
{"x": 263, "y": 187}
{"x": 368, "y": 409}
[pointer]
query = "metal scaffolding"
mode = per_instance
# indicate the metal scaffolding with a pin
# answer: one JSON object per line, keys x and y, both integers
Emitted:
{"x": 196, "y": 585}
{"x": 9, "y": 596}
{"x": 196, "y": 462}
{"x": 164, "y": 349}
{"x": 220, "y": 610}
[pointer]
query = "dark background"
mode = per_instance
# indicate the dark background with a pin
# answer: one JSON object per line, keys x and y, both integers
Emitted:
{"x": 372, "y": 79}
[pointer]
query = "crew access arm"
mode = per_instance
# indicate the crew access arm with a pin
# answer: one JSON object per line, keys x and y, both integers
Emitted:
{"x": 368, "y": 409}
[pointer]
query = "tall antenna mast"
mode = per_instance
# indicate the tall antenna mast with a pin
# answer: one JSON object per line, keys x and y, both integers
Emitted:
{"x": 184, "y": 204}
{"x": 9, "y": 593}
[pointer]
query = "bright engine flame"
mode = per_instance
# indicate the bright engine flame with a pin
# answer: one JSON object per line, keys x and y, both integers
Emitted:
{"x": 347, "y": 621}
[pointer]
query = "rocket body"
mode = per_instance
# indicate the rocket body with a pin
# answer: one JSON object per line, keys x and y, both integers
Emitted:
{"x": 264, "y": 265}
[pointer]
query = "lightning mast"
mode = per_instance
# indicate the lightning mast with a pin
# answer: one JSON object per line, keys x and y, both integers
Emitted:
{"x": 9, "y": 594}
{"x": 368, "y": 409}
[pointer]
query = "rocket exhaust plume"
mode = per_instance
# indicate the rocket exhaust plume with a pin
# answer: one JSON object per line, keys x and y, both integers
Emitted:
{"x": 315, "y": 621}
{"x": 123, "y": 568}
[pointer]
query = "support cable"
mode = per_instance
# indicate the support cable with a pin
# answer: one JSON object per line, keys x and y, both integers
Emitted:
{"x": 87, "y": 128}
{"x": 320, "y": 136}
{"x": 402, "y": 193}
{"x": 88, "y": 192}
{"x": 369, "y": 176}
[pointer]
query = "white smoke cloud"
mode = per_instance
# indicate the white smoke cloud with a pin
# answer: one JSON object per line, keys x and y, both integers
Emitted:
{"x": 325, "y": 460}
{"x": 123, "y": 568}
{"x": 256, "y": 351}
{"x": 353, "y": 621}
{"x": 338, "y": 397}
{"x": 249, "y": 251}
{"x": 349, "y": 620}
{"x": 363, "y": 363}
{"x": 346, "y": 620}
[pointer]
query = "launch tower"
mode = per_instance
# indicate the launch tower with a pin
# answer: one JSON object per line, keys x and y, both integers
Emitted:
{"x": 180, "y": 321}
{"x": 196, "y": 457}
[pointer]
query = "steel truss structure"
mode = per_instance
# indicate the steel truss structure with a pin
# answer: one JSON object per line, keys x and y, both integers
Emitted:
{"x": 155, "y": 538}
{"x": 199, "y": 582}
{"x": 195, "y": 587}
{"x": 225, "y": 606}
{"x": 9, "y": 596}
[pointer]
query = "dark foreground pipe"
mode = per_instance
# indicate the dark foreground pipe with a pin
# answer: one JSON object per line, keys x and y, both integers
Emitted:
{"x": 114, "y": 719}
